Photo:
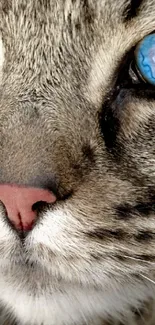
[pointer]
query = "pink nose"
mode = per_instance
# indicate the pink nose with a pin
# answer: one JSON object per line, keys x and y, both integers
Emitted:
{"x": 18, "y": 201}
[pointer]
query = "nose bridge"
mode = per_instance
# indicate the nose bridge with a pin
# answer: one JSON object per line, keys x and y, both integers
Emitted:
{"x": 42, "y": 143}
{"x": 22, "y": 153}
{"x": 34, "y": 152}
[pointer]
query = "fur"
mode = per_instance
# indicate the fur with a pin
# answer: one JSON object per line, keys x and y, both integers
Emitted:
{"x": 72, "y": 121}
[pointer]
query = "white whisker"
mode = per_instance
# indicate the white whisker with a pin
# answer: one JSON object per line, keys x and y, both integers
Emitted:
{"x": 145, "y": 277}
{"x": 142, "y": 317}
{"x": 139, "y": 260}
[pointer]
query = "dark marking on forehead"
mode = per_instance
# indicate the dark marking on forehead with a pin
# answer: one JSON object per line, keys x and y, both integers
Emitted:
{"x": 132, "y": 9}
{"x": 88, "y": 11}
{"x": 5, "y": 5}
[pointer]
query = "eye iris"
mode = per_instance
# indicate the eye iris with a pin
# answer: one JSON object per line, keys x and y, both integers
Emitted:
{"x": 145, "y": 58}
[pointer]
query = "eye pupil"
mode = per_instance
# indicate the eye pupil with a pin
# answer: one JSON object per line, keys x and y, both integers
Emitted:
{"x": 145, "y": 58}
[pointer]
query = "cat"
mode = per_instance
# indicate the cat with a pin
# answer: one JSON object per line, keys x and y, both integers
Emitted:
{"x": 77, "y": 163}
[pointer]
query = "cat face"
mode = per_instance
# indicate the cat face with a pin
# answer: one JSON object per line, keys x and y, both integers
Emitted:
{"x": 78, "y": 119}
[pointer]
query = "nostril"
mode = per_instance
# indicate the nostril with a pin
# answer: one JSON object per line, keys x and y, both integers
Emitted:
{"x": 39, "y": 206}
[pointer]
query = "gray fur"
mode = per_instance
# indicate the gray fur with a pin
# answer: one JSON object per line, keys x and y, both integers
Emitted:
{"x": 61, "y": 62}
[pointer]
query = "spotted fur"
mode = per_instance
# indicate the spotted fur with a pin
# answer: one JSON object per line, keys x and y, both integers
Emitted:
{"x": 72, "y": 121}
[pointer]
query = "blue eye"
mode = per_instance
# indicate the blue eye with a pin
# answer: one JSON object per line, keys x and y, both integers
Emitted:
{"x": 145, "y": 58}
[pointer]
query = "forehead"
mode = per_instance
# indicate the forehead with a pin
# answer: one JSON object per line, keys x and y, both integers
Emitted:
{"x": 62, "y": 22}
{"x": 78, "y": 41}
{"x": 84, "y": 10}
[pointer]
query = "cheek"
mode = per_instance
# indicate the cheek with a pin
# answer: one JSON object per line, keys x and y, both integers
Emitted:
{"x": 135, "y": 116}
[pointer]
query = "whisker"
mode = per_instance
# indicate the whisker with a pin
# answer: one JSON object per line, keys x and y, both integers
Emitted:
{"x": 142, "y": 317}
{"x": 145, "y": 277}
{"x": 139, "y": 260}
